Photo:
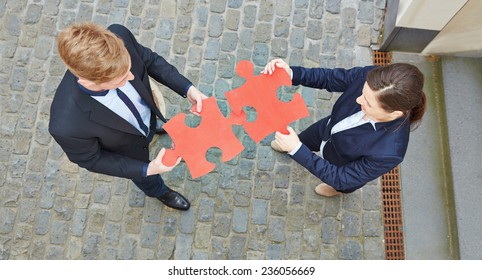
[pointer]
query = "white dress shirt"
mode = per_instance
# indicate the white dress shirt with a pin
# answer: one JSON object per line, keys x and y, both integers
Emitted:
{"x": 112, "y": 101}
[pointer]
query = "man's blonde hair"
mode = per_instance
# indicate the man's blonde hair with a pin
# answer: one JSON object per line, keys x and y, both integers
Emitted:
{"x": 93, "y": 52}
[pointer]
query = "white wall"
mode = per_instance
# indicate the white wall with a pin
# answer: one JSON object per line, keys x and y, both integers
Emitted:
{"x": 462, "y": 35}
{"x": 427, "y": 14}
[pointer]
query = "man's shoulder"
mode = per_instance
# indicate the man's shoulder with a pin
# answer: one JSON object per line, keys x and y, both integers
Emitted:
{"x": 64, "y": 105}
{"x": 67, "y": 84}
{"x": 120, "y": 30}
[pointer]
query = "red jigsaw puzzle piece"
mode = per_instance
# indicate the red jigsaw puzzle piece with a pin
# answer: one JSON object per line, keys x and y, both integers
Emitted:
{"x": 191, "y": 144}
{"x": 259, "y": 92}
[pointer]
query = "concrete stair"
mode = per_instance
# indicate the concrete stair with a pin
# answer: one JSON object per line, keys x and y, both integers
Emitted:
{"x": 441, "y": 176}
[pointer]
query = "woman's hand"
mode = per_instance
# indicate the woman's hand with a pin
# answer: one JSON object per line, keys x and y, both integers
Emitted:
{"x": 287, "y": 142}
{"x": 195, "y": 97}
{"x": 157, "y": 167}
{"x": 278, "y": 62}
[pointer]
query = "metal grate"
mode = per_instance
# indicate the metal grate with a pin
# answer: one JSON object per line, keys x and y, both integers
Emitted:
{"x": 391, "y": 199}
{"x": 381, "y": 58}
{"x": 392, "y": 215}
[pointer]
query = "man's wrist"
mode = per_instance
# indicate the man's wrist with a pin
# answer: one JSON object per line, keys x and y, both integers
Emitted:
{"x": 145, "y": 169}
{"x": 186, "y": 91}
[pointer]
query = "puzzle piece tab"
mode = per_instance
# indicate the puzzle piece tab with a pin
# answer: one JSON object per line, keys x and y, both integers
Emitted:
{"x": 259, "y": 92}
{"x": 192, "y": 143}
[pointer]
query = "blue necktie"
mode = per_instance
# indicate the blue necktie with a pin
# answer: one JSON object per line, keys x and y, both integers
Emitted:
{"x": 133, "y": 109}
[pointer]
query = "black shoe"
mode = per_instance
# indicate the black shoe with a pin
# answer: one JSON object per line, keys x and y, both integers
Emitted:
{"x": 175, "y": 200}
{"x": 159, "y": 127}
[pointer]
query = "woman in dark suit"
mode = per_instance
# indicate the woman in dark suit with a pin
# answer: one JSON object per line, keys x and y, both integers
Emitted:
{"x": 367, "y": 132}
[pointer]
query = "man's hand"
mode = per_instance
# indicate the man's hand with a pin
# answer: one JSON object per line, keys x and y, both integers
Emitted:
{"x": 278, "y": 62}
{"x": 195, "y": 97}
{"x": 157, "y": 167}
{"x": 287, "y": 142}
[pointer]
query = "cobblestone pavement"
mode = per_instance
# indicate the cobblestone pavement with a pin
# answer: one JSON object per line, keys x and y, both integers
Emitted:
{"x": 260, "y": 205}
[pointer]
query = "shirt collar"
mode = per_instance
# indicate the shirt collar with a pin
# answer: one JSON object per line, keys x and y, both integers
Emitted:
{"x": 93, "y": 93}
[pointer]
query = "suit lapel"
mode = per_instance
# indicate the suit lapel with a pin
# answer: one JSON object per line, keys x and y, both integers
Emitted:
{"x": 101, "y": 114}
{"x": 146, "y": 94}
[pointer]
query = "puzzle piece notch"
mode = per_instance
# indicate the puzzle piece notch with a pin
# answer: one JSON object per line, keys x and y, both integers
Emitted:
{"x": 272, "y": 114}
{"x": 191, "y": 144}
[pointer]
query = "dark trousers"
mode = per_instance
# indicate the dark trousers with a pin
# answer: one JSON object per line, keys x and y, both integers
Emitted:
{"x": 153, "y": 185}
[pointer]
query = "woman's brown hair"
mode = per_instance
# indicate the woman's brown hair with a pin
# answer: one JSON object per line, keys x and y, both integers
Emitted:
{"x": 399, "y": 87}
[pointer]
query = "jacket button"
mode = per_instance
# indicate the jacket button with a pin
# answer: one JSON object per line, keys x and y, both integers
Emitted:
{"x": 144, "y": 148}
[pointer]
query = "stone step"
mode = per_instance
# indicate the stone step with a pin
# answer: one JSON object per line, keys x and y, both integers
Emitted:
{"x": 441, "y": 174}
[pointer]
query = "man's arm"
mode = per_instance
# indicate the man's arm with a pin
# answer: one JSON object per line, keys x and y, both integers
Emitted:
{"x": 157, "y": 67}
{"x": 88, "y": 154}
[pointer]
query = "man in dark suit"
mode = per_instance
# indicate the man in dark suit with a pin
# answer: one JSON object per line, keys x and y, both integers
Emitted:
{"x": 103, "y": 114}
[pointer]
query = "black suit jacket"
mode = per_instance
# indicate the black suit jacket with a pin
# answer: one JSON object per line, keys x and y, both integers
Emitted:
{"x": 96, "y": 138}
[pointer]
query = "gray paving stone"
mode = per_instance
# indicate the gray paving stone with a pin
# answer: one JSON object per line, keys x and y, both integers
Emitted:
{"x": 215, "y": 26}
{"x": 218, "y": 6}
{"x": 373, "y": 249}
{"x": 371, "y": 224}
{"x": 169, "y": 225}
{"x": 249, "y": 13}
{"x": 222, "y": 225}
{"x": 34, "y": 11}
{"x": 313, "y": 211}
{"x": 112, "y": 233}
{"x": 233, "y": 18}
{"x": 274, "y": 251}
{"x": 187, "y": 222}
{"x": 257, "y": 233}
{"x": 236, "y": 249}
{"x": 55, "y": 253}
{"x": 149, "y": 235}
{"x": 79, "y": 222}
{"x": 220, "y": 248}
{"x": 372, "y": 197}
{"x": 96, "y": 221}
{"x": 350, "y": 250}
{"x": 329, "y": 230}
{"x": 352, "y": 201}
{"x": 165, "y": 248}
{"x": 365, "y": 12}
{"x": 115, "y": 211}
{"x": 279, "y": 203}
{"x": 133, "y": 220}
{"x": 183, "y": 250}
{"x": 59, "y": 232}
{"x": 206, "y": 210}
{"x": 128, "y": 248}
{"x": 276, "y": 230}
{"x": 316, "y": 9}
{"x": 90, "y": 249}
{"x": 259, "y": 212}
{"x": 299, "y": 18}
{"x": 200, "y": 255}
{"x": 295, "y": 219}
{"x": 7, "y": 220}
{"x": 351, "y": 224}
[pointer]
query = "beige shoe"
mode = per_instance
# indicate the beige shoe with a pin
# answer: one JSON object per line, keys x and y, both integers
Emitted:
{"x": 276, "y": 147}
{"x": 326, "y": 190}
